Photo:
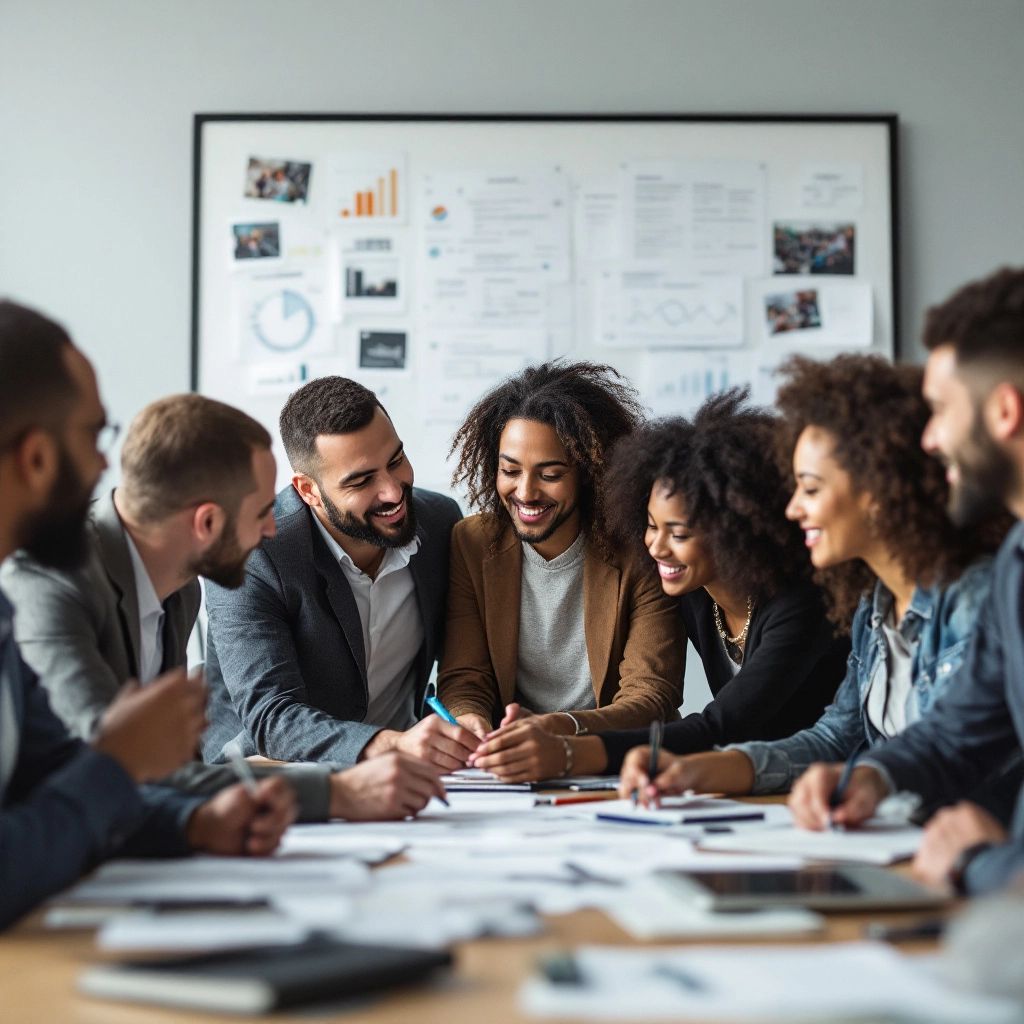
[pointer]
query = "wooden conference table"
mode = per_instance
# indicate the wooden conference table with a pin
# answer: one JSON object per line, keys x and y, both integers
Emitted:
{"x": 38, "y": 969}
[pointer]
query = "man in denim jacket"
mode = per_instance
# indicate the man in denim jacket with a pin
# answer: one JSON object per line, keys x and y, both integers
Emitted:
{"x": 975, "y": 385}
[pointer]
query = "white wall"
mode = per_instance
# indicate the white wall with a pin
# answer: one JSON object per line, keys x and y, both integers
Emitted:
{"x": 97, "y": 97}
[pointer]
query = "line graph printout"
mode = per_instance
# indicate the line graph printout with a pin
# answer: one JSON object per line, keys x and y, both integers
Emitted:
{"x": 654, "y": 308}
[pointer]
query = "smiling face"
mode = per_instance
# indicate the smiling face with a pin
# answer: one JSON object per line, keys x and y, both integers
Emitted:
{"x": 684, "y": 564}
{"x": 834, "y": 516}
{"x": 980, "y": 474}
{"x": 538, "y": 486}
{"x": 364, "y": 491}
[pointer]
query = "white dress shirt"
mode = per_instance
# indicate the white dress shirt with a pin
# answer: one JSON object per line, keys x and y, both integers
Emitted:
{"x": 151, "y": 618}
{"x": 392, "y": 631}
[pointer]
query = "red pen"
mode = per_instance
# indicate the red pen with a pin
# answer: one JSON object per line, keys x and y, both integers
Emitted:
{"x": 576, "y": 798}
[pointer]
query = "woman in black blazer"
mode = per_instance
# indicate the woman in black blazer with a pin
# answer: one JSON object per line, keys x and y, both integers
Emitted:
{"x": 702, "y": 503}
{"x": 704, "y": 500}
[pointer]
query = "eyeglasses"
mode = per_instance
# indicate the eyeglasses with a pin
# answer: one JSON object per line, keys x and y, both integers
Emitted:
{"x": 106, "y": 437}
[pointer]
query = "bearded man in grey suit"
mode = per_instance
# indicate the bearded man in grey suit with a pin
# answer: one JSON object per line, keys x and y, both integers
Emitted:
{"x": 325, "y": 651}
{"x": 196, "y": 497}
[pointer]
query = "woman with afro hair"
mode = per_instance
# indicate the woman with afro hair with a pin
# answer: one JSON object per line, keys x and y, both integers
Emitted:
{"x": 704, "y": 503}
{"x": 871, "y": 506}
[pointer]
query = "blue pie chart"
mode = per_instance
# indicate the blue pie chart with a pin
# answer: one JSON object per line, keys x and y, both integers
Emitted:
{"x": 284, "y": 321}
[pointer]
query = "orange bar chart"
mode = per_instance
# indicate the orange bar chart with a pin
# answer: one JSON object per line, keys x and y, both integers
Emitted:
{"x": 377, "y": 200}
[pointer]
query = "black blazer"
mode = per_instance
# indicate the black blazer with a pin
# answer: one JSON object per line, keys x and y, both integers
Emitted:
{"x": 285, "y": 660}
{"x": 792, "y": 664}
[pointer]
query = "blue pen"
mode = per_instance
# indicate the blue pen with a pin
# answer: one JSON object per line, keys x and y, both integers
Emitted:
{"x": 435, "y": 705}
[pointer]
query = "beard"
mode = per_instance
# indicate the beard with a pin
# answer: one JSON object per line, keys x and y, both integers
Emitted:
{"x": 224, "y": 561}
{"x": 987, "y": 475}
{"x": 57, "y": 536}
{"x": 363, "y": 529}
{"x": 549, "y": 530}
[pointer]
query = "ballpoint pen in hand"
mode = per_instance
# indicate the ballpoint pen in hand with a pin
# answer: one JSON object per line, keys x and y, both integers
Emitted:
{"x": 654, "y": 739}
{"x": 839, "y": 793}
{"x": 241, "y": 768}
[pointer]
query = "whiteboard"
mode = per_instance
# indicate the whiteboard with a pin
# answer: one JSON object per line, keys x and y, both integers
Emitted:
{"x": 430, "y": 256}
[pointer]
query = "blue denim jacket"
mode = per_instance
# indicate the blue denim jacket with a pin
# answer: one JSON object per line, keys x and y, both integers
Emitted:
{"x": 940, "y": 620}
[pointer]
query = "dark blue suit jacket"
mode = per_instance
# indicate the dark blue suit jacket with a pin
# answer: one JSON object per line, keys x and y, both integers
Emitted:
{"x": 65, "y": 807}
{"x": 285, "y": 660}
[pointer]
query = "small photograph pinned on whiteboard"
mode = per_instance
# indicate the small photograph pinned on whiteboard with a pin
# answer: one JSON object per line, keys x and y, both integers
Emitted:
{"x": 257, "y": 241}
{"x": 813, "y": 247}
{"x": 792, "y": 311}
{"x": 382, "y": 350}
{"x": 284, "y": 181}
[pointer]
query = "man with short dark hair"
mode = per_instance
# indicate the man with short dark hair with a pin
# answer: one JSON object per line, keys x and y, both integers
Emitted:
{"x": 974, "y": 383}
{"x": 325, "y": 651}
{"x": 184, "y": 508}
{"x": 64, "y": 805}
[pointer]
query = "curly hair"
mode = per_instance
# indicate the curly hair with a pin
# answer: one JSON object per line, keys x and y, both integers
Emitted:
{"x": 875, "y": 415}
{"x": 720, "y": 463}
{"x": 589, "y": 406}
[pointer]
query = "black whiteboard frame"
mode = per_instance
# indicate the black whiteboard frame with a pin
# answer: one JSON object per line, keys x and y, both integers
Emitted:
{"x": 890, "y": 121}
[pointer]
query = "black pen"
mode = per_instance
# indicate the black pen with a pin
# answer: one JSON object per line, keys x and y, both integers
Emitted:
{"x": 844, "y": 780}
{"x": 654, "y": 739}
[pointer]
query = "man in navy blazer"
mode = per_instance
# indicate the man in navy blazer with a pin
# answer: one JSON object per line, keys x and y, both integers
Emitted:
{"x": 65, "y": 804}
{"x": 324, "y": 653}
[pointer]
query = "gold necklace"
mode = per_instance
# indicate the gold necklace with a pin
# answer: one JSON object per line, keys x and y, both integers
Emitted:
{"x": 740, "y": 638}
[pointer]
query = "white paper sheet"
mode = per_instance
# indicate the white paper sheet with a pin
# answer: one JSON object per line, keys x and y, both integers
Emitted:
{"x": 200, "y": 931}
{"x": 373, "y": 268}
{"x": 458, "y": 366}
{"x": 874, "y": 843}
{"x": 202, "y": 877}
{"x": 702, "y": 216}
{"x": 648, "y": 910}
{"x": 811, "y": 313}
{"x": 655, "y": 306}
{"x": 282, "y": 313}
{"x": 792, "y": 983}
{"x": 833, "y": 185}
{"x": 491, "y": 245}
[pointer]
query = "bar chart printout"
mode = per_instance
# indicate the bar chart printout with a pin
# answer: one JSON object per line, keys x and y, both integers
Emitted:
{"x": 369, "y": 187}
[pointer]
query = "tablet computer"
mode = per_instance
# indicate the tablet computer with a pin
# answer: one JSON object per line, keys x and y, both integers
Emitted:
{"x": 821, "y": 887}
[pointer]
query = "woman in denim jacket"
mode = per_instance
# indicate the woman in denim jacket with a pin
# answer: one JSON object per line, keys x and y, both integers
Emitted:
{"x": 872, "y": 507}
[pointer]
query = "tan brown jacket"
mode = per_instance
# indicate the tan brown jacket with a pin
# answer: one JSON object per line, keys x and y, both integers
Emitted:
{"x": 636, "y": 644}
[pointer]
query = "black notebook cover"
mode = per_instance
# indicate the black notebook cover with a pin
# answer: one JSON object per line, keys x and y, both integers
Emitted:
{"x": 259, "y": 980}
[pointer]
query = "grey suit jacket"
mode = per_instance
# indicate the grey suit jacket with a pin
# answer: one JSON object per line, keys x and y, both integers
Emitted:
{"x": 285, "y": 658}
{"x": 79, "y": 631}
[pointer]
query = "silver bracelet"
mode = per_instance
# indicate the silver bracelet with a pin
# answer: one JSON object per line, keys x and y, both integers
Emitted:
{"x": 568, "y": 757}
{"x": 581, "y": 730}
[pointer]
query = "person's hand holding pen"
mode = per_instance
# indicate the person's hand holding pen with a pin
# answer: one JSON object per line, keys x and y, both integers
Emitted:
{"x": 726, "y": 771}
{"x": 822, "y": 798}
